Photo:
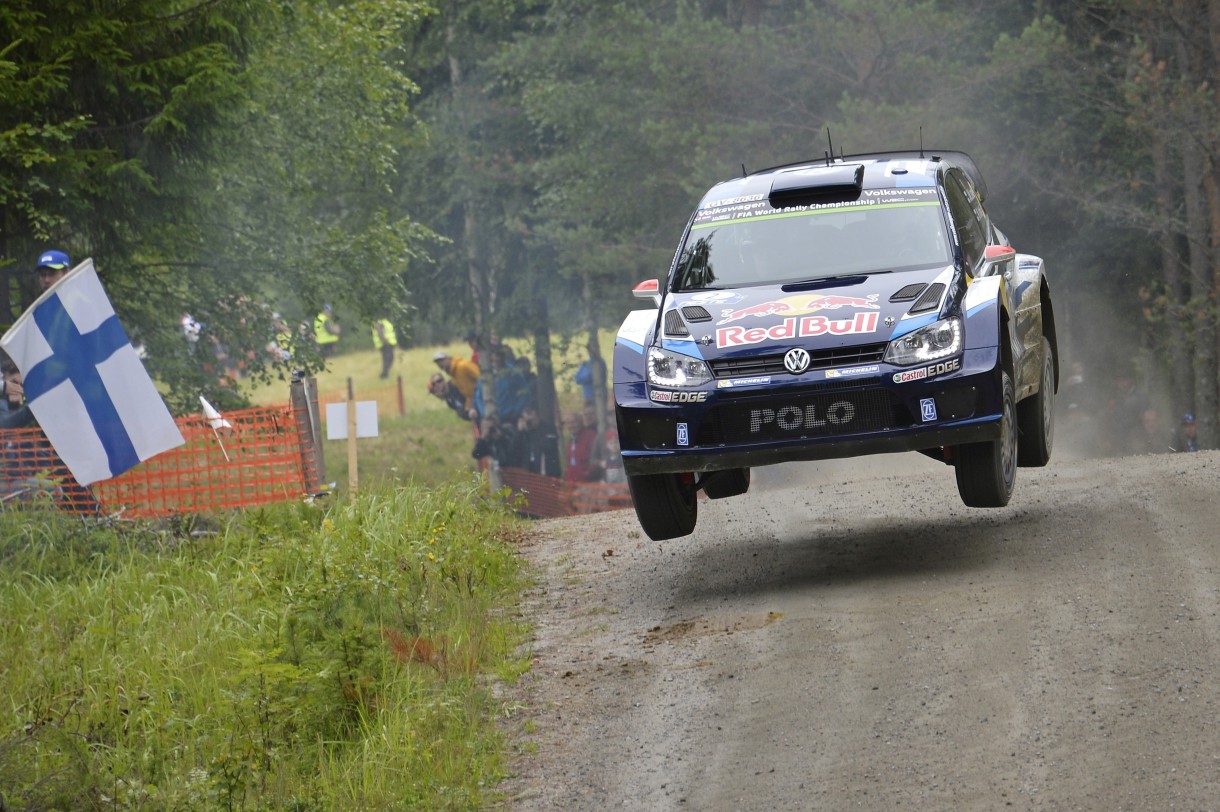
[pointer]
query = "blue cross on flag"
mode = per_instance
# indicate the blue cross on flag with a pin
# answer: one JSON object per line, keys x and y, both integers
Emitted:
{"x": 85, "y": 383}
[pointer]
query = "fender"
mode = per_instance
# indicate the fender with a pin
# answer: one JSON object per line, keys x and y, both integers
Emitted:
{"x": 982, "y": 307}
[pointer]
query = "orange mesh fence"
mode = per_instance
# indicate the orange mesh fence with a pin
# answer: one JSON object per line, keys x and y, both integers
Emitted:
{"x": 549, "y": 497}
{"x": 257, "y": 461}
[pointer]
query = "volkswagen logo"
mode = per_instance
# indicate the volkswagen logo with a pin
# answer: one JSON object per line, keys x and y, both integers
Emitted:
{"x": 796, "y": 361}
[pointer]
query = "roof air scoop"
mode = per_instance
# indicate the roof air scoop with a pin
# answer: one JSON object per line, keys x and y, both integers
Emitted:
{"x": 812, "y": 183}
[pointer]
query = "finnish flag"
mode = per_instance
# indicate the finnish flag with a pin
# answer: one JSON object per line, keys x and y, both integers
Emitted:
{"x": 85, "y": 383}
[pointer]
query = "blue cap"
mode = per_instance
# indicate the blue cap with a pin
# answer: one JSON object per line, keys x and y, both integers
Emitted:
{"x": 1188, "y": 417}
{"x": 55, "y": 260}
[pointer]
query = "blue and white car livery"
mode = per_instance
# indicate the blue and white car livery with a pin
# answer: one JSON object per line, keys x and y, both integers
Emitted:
{"x": 847, "y": 306}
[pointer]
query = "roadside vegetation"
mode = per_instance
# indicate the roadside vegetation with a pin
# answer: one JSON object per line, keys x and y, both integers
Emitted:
{"x": 303, "y": 656}
{"x": 337, "y": 654}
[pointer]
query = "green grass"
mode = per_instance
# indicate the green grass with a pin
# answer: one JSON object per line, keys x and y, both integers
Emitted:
{"x": 338, "y": 654}
{"x": 300, "y": 657}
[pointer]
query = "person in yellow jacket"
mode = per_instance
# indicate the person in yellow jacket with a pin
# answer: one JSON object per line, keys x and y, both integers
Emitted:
{"x": 326, "y": 330}
{"x": 463, "y": 374}
{"x": 385, "y": 341}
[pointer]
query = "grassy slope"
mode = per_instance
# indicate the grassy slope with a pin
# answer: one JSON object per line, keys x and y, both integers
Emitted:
{"x": 334, "y": 655}
{"x": 306, "y": 657}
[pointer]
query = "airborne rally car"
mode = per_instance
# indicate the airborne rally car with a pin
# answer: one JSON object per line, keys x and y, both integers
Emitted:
{"x": 855, "y": 305}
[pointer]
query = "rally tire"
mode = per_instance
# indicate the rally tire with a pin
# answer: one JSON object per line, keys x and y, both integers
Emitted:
{"x": 987, "y": 471}
{"x": 665, "y": 504}
{"x": 723, "y": 484}
{"x": 1036, "y": 417}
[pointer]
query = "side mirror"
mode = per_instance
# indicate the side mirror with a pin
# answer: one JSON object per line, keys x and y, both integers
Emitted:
{"x": 648, "y": 289}
{"x": 998, "y": 259}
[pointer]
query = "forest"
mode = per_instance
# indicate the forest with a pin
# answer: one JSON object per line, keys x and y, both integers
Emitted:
{"x": 516, "y": 166}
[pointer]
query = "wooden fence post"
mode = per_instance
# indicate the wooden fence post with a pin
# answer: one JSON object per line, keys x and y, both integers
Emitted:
{"x": 303, "y": 397}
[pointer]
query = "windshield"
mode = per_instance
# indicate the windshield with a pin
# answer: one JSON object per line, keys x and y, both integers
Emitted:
{"x": 775, "y": 247}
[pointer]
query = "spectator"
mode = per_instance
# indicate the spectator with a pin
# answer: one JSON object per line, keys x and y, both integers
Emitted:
{"x": 25, "y": 463}
{"x": 326, "y": 331}
{"x": 1186, "y": 438}
{"x": 512, "y": 394}
{"x": 280, "y": 345}
{"x": 449, "y": 395}
{"x": 496, "y": 441}
{"x": 581, "y": 438}
{"x": 584, "y": 377}
{"x": 1152, "y": 436}
{"x": 52, "y": 267}
{"x": 537, "y": 447}
{"x": 13, "y": 411}
{"x": 385, "y": 341}
{"x": 531, "y": 379}
{"x": 472, "y": 339}
{"x": 463, "y": 374}
{"x": 1125, "y": 413}
{"x": 614, "y": 460}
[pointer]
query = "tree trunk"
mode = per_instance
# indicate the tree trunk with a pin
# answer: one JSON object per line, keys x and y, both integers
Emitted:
{"x": 1177, "y": 352}
{"x": 1201, "y": 301}
{"x": 600, "y": 390}
{"x": 480, "y": 283}
{"x": 544, "y": 364}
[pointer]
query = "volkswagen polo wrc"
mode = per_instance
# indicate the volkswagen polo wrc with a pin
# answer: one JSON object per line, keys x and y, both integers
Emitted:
{"x": 855, "y": 305}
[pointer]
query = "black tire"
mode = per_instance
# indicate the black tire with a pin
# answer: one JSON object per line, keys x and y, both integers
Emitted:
{"x": 722, "y": 484}
{"x": 986, "y": 472}
{"x": 1036, "y": 417}
{"x": 664, "y": 504}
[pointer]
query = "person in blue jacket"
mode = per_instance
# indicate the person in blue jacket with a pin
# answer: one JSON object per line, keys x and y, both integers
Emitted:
{"x": 512, "y": 391}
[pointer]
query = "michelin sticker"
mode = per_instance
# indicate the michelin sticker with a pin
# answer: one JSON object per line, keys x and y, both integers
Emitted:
{"x": 735, "y": 382}
{"x": 847, "y": 373}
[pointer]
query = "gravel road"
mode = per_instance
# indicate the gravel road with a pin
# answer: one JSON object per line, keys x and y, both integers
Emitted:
{"x": 849, "y": 636}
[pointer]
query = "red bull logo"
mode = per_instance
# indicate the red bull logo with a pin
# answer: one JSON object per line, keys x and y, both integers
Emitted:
{"x": 799, "y": 305}
{"x": 793, "y": 327}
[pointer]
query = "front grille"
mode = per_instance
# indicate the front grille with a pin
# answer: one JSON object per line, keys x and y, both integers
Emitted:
{"x": 774, "y": 364}
{"x": 798, "y": 417}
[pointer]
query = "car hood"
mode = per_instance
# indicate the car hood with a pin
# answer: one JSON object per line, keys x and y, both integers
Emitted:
{"x": 749, "y": 321}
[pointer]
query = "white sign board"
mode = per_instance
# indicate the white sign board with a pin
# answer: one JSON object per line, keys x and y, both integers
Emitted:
{"x": 366, "y": 420}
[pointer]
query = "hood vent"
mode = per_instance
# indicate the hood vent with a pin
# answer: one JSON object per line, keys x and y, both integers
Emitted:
{"x": 696, "y": 313}
{"x": 930, "y": 298}
{"x": 908, "y": 293}
{"x": 674, "y": 326}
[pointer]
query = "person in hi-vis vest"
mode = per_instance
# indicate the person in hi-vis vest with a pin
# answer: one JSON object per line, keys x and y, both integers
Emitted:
{"x": 385, "y": 341}
{"x": 326, "y": 331}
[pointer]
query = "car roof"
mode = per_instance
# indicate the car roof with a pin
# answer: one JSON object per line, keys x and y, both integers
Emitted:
{"x": 880, "y": 171}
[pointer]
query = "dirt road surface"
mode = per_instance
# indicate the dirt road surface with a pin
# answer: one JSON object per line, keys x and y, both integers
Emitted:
{"x": 849, "y": 636}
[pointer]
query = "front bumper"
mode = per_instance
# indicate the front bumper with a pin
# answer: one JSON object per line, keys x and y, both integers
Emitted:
{"x": 788, "y": 422}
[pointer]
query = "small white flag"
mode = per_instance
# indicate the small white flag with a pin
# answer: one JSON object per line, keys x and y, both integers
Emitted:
{"x": 85, "y": 383}
{"x": 215, "y": 419}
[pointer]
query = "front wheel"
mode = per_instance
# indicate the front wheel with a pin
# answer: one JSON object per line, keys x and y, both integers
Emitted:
{"x": 1036, "y": 417}
{"x": 986, "y": 472}
{"x": 665, "y": 504}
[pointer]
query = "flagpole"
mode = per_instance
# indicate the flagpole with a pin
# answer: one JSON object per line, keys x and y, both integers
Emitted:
{"x": 351, "y": 440}
{"x": 221, "y": 443}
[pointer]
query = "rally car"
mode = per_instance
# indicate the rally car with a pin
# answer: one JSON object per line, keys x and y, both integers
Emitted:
{"x": 845, "y": 306}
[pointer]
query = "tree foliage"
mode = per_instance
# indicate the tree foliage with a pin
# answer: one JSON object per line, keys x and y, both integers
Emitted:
{"x": 518, "y": 165}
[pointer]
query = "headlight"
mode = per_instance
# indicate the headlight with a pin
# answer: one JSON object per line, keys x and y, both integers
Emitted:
{"x": 670, "y": 369}
{"x": 939, "y": 340}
